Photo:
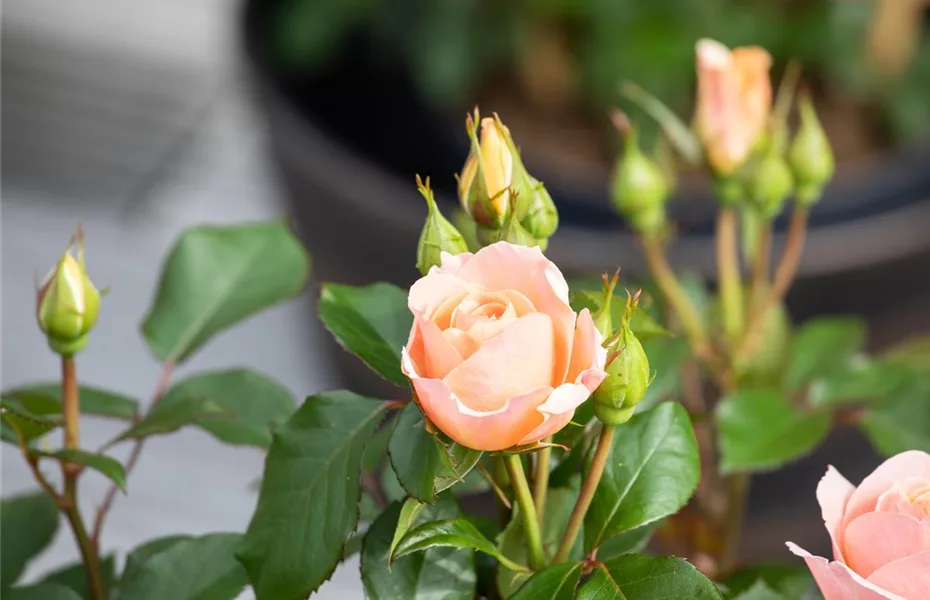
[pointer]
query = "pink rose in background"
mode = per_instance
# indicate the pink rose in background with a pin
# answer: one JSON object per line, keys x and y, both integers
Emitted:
{"x": 880, "y": 532}
{"x": 496, "y": 355}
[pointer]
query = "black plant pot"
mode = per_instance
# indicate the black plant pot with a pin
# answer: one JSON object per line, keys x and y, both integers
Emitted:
{"x": 348, "y": 139}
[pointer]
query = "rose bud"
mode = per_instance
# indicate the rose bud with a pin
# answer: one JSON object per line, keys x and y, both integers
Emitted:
{"x": 880, "y": 531}
{"x": 496, "y": 355}
{"x": 486, "y": 178}
{"x": 603, "y": 318}
{"x": 639, "y": 187}
{"x": 438, "y": 235}
{"x": 770, "y": 184}
{"x": 67, "y": 302}
{"x": 810, "y": 155}
{"x": 734, "y": 99}
{"x": 628, "y": 375}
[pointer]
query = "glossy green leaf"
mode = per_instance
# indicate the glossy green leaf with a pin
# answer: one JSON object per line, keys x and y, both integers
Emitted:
{"x": 25, "y": 416}
{"x": 759, "y": 430}
{"x": 107, "y": 466}
{"x": 640, "y": 577}
{"x": 312, "y": 471}
{"x": 202, "y": 568}
{"x": 94, "y": 401}
{"x": 75, "y": 577}
{"x": 27, "y": 525}
{"x": 759, "y": 591}
{"x": 215, "y": 277}
{"x": 450, "y": 533}
{"x": 447, "y": 573}
{"x": 42, "y": 591}
{"x": 790, "y": 580}
{"x": 557, "y": 582}
{"x": 372, "y": 322}
{"x": 634, "y": 540}
{"x": 861, "y": 380}
{"x": 409, "y": 512}
{"x": 138, "y": 557}
{"x": 902, "y": 421}
{"x": 377, "y": 448}
{"x": 252, "y": 404}
{"x": 559, "y": 504}
{"x": 185, "y": 412}
{"x": 423, "y": 464}
{"x": 651, "y": 472}
{"x": 822, "y": 347}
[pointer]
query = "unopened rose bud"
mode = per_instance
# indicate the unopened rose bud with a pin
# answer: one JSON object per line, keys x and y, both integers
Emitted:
{"x": 438, "y": 235}
{"x": 603, "y": 318}
{"x": 67, "y": 302}
{"x": 770, "y": 184}
{"x": 486, "y": 178}
{"x": 628, "y": 375}
{"x": 639, "y": 188}
{"x": 514, "y": 233}
{"x": 810, "y": 156}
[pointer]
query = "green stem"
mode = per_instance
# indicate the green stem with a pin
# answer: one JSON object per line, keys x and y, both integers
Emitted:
{"x": 737, "y": 495}
{"x": 541, "y": 480}
{"x": 587, "y": 494}
{"x": 731, "y": 293}
{"x": 521, "y": 490}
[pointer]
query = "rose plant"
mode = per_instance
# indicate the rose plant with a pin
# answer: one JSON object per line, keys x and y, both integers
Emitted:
{"x": 612, "y": 426}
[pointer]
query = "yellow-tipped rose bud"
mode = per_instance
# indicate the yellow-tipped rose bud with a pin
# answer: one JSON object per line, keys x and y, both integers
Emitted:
{"x": 67, "y": 302}
{"x": 628, "y": 374}
{"x": 438, "y": 235}
{"x": 770, "y": 184}
{"x": 810, "y": 156}
{"x": 639, "y": 188}
{"x": 734, "y": 99}
{"x": 486, "y": 179}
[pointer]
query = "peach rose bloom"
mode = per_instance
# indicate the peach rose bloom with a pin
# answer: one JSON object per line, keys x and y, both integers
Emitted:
{"x": 880, "y": 532}
{"x": 496, "y": 355}
{"x": 734, "y": 99}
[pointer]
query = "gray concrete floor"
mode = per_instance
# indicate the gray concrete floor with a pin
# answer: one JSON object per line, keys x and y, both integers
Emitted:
{"x": 208, "y": 170}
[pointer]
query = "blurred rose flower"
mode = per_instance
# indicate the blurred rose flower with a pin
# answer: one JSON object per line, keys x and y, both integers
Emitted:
{"x": 496, "y": 355}
{"x": 880, "y": 532}
{"x": 734, "y": 99}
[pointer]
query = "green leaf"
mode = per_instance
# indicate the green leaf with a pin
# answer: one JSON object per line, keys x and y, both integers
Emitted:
{"x": 861, "y": 380}
{"x": 372, "y": 322}
{"x": 138, "y": 557}
{"x": 27, "y": 525}
{"x": 446, "y": 573}
{"x": 759, "y": 430}
{"x": 377, "y": 447}
{"x": 557, "y": 582}
{"x": 42, "y": 591}
{"x": 107, "y": 466}
{"x": 666, "y": 356}
{"x": 311, "y": 473}
{"x": 253, "y": 404}
{"x": 424, "y": 465}
{"x": 26, "y": 416}
{"x": 634, "y": 540}
{"x": 759, "y": 591}
{"x": 409, "y": 512}
{"x": 902, "y": 421}
{"x": 215, "y": 277}
{"x": 652, "y": 469}
{"x": 158, "y": 422}
{"x": 822, "y": 347}
{"x": 202, "y": 568}
{"x": 75, "y": 577}
{"x": 792, "y": 581}
{"x": 914, "y": 353}
{"x": 94, "y": 401}
{"x": 642, "y": 324}
{"x": 451, "y": 533}
{"x": 645, "y": 578}
{"x": 559, "y": 504}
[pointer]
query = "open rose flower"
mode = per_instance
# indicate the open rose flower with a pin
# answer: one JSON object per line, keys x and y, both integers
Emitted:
{"x": 734, "y": 99}
{"x": 880, "y": 532}
{"x": 496, "y": 355}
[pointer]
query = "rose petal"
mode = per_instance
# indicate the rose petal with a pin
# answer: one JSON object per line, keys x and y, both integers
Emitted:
{"x": 877, "y": 538}
{"x": 559, "y": 407}
{"x": 428, "y": 293}
{"x": 909, "y": 577}
{"x": 434, "y": 356}
{"x": 515, "y": 362}
{"x": 489, "y": 431}
{"x": 461, "y": 341}
{"x": 833, "y": 493}
{"x": 451, "y": 263}
{"x": 503, "y": 266}
{"x": 837, "y": 582}
{"x": 901, "y": 497}
{"x": 587, "y": 352}
{"x": 914, "y": 463}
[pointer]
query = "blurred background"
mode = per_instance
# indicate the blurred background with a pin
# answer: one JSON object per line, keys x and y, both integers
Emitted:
{"x": 139, "y": 118}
